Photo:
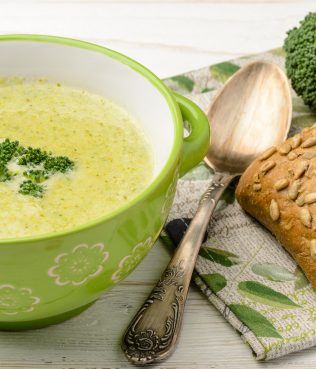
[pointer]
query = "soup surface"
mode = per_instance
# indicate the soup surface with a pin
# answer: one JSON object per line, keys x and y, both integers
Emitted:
{"x": 111, "y": 161}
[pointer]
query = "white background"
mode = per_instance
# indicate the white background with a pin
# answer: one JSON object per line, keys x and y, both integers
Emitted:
{"x": 169, "y": 37}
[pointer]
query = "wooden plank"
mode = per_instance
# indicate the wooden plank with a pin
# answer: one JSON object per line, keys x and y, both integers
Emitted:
{"x": 190, "y": 34}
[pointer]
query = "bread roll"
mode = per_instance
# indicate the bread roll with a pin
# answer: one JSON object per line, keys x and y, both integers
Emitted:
{"x": 279, "y": 190}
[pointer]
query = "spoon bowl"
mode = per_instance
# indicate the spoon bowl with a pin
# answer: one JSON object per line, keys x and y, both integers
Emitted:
{"x": 251, "y": 113}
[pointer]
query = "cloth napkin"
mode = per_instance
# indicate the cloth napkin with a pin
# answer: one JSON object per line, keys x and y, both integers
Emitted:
{"x": 242, "y": 270}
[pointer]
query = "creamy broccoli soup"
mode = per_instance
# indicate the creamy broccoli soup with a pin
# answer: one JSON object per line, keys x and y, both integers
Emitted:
{"x": 67, "y": 156}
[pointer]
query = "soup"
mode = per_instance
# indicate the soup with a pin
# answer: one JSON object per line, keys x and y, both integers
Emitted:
{"x": 77, "y": 156}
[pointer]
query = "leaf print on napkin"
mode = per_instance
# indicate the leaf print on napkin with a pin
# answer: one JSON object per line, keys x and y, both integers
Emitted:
{"x": 255, "y": 321}
{"x": 207, "y": 89}
{"x": 219, "y": 256}
{"x": 215, "y": 281}
{"x": 184, "y": 81}
{"x": 273, "y": 272}
{"x": 223, "y": 71}
{"x": 300, "y": 279}
{"x": 265, "y": 295}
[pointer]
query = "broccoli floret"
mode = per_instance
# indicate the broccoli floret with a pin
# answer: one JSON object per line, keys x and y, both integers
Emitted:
{"x": 300, "y": 62}
{"x": 40, "y": 166}
{"x": 8, "y": 149}
{"x": 36, "y": 175}
{"x": 60, "y": 164}
{"x": 5, "y": 174}
{"x": 32, "y": 157}
{"x": 32, "y": 189}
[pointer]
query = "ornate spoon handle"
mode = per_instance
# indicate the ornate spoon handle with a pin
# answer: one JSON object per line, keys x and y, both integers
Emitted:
{"x": 153, "y": 332}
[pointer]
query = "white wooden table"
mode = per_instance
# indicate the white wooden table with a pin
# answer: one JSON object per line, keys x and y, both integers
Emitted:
{"x": 170, "y": 37}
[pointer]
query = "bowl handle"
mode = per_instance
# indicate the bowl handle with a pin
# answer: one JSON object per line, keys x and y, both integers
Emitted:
{"x": 195, "y": 145}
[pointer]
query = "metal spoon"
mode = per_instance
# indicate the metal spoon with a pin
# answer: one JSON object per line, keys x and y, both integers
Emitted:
{"x": 249, "y": 114}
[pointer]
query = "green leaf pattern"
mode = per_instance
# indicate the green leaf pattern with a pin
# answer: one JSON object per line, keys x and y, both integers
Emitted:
{"x": 219, "y": 256}
{"x": 215, "y": 281}
{"x": 223, "y": 71}
{"x": 265, "y": 295}
{"x": 184, "y": 82}
{"x": 273, "y": 272}
{"x": 255, "y": 321}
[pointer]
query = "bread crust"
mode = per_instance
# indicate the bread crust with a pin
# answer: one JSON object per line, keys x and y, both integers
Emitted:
{"x": 279, "y": 190}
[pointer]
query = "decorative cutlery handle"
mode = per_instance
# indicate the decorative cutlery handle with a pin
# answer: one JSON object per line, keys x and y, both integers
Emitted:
{"x": 156, "y": 325}
{"x": 153, "y": 332}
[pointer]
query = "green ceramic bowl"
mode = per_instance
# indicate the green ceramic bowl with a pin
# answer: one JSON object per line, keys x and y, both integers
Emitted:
{"x": 49, "y": 278}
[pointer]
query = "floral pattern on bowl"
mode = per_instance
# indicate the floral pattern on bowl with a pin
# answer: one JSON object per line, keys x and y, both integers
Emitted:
{"x": 83, "y": 263}
{"x": 14, "y": 300}
{"x": 129, "y": 262}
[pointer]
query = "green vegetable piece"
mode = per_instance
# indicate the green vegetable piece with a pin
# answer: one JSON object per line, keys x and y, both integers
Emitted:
{"x": 5, "y": 175}
{"x": 300, "y": 61}
{"x": 222, "y": 71}
{"x": 35, "y": 160}
{"x": 265, "y": 295}
{"x": 32, "y": 157}
{"x": 184, "y": 82}
{"x": 273, "y": 272}
{"x": 36, "y": 175}
{"x": 255, "y": 321}
{"x": 32, "y": 189}
{"x": 219, "y": 256}
{"x": 215, "y": 281}
{"x": 8, "y": 149}
{"x": 60, "y": 164}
